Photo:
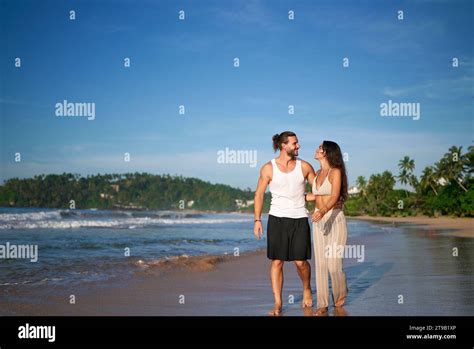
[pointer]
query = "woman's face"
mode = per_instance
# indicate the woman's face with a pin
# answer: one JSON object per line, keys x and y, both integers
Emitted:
{"x": 319, "y": 154}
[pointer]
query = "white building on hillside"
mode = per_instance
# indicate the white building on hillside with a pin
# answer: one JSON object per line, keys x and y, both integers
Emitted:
{"x": 353, "y": 191}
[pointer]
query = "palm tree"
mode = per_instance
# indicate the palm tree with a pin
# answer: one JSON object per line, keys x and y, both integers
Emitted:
{"x": 379, "y": 188}
{"x": 414, "y": 182}
{"x": 468, "y": 161}
{"x": 361, "y": 183}
{"x": 406, "y": 166}
{"x": 428, "y": 178}
{"x": 451, "y": 166}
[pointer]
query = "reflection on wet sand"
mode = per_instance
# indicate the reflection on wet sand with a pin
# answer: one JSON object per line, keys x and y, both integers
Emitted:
{"x": 406, "y": 271}
{"x": 340, "y": 311}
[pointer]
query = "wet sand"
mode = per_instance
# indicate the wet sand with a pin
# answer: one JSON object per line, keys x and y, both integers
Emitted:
{"x": 407, "y": 270}
{"x": 462, "y": 227}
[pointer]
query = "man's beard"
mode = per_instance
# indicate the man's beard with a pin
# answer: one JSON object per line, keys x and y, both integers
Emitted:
{"x": 292, "y": 153}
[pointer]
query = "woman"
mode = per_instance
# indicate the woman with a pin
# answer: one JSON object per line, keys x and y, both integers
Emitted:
{"x": 329, "y": 187}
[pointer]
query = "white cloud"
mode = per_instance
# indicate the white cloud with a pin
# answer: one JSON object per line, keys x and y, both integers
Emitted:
{"x": 433, "y": 88}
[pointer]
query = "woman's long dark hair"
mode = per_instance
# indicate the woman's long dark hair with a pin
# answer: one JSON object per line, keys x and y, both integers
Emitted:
{"x": 334, "y": 156}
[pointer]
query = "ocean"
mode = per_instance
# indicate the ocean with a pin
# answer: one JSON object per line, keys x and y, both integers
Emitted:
{"x": 77, "y": 246}
{"x": 403, "y": 270}
{"x": 91, "y": 245}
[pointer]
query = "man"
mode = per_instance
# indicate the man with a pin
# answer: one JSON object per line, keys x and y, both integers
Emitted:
{"x": 288, "y": 231}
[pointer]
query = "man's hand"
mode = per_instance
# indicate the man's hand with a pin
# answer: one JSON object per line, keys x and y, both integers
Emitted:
{"x": 310, "y": 197}
{"x": 258, "y": 230}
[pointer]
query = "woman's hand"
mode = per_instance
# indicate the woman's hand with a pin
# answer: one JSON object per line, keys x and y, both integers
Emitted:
{"x": 317, "y": 215}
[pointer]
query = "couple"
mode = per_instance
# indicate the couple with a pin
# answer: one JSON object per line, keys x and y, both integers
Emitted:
{"x": 288, "y": 231}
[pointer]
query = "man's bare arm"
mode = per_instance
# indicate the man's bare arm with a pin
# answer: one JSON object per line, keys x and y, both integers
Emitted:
{"x": 309, "y": 174}
{"x": 263, "y": 181}
{"x": 308, "y": 171}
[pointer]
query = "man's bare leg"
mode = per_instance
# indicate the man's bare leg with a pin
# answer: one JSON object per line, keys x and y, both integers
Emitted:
{"x": 276, "y": 276}
{"x": 304, "y": 271}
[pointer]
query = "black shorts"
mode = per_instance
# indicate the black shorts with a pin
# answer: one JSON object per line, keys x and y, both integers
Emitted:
{"x": 288, "y": 239}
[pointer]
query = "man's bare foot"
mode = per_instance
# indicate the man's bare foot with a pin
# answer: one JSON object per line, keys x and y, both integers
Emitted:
{"x": 321, "y": 312}
{"x": 276, "y": 311}
{"x": 307, "y": 299}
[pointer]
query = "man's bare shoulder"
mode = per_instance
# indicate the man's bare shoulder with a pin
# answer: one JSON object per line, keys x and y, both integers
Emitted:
{"x": 306, "y": 165}
{"x": 266, "y": 171}
{"x": 266, "y": 168}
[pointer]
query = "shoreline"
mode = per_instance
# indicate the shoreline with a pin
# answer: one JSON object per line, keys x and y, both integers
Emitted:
{"x": 182, "y": 286}
{"x": 461, "y": 226}
{"x": 229, "y": 285}
{"x": 134, "y": 209}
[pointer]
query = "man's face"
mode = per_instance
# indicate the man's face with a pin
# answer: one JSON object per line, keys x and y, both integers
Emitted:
{"x": 291, "y": 147}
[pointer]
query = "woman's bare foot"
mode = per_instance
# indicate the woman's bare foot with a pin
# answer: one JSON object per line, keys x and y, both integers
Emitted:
{"x": 276, "y": 311}
{"x": 321, "y": 312}
{"x": 307, "y": 299}
{"x": 340, "y": 311}
{"x": 340, "y": 302}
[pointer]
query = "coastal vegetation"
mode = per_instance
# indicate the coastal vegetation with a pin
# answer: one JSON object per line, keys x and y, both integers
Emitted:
{"x": 445, "y": 188}
{"x": 118, "y": 191}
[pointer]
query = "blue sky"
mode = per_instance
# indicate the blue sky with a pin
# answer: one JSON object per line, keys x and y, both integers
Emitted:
{"x": 190, "y": 62}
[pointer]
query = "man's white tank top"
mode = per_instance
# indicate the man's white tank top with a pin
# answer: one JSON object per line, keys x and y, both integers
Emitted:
{"x": 287, "y": 191}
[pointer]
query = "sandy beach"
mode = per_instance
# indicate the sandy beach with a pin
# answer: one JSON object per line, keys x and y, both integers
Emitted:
{"x": 462, "y": 227}
{"x": 407, "y": 270}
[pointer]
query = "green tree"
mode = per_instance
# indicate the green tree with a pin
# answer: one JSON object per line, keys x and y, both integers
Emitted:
{"x": 379, "y": 189}
{"x": 452, "y": 165}
{"x": 430, "y": 179}
{"x": 406, "y": 166}
{"x": 361, "y": 184}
